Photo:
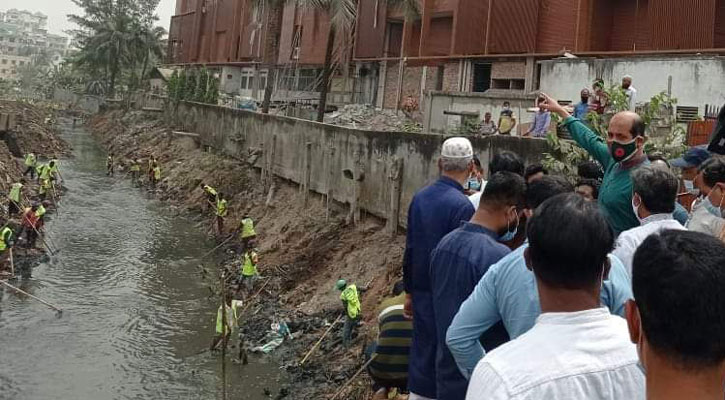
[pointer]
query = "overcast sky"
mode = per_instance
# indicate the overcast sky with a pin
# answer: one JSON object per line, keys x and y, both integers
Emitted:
{"x": 56, "y": 10}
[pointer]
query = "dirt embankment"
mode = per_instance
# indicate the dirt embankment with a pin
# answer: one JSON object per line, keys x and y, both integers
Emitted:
{"x": 302, "y": 254}
{"x": 34, "y": 131}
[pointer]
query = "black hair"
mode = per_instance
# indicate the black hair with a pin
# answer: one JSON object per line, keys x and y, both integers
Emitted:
{"x": 638, "y": 126}
{"x": 507, "y": 102}
{"x": 506, "y": 161}
{"x": 707, "y": 164}
{"x": 398, "y": 287}
{"x": 713, "y": 171}
{"x": 477, "y": 161}
{"x": 542, "y": 189}
{"x": 504, "y": 189}
{"x": 678, "y": 279}
{"x": 658, "y": 157}
{"x": 534, "y": 169}
{"x": 590, "y": 170}
{"x": 569, "y": 240}
{"x": 657, "y": 188}
{"x": 592, "y": 183}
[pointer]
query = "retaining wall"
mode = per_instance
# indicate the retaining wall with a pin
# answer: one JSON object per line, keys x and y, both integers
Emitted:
{"x": 291, "y": 147}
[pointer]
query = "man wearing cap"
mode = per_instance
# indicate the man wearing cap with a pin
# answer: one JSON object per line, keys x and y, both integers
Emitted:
{"x": 351, "y": 305}
{"x": 689, "y": 164}
{"x": 434, "y": 212}
{"x": 630, "y": 91}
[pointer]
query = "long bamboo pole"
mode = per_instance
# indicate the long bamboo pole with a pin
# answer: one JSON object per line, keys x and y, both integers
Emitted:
{"x": 320, "y": 341}
{"x": 59, "y": 310}
{"x": 353, "y": 377}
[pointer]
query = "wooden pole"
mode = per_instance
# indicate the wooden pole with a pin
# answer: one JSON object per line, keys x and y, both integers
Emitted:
{"x": 218, "y": 246}
{"x": 396, "y": 177}
{"x": 320, "y": 341}
{"x": 307, "y": 172}
{"x": 12, "y": 263}
{"x": 249, "y": 301}
{"x": 349, "y": 381}
{"x": 31, "y": 296}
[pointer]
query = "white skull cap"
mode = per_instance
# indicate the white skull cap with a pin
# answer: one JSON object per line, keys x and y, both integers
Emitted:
{"x": 457, "y": 147}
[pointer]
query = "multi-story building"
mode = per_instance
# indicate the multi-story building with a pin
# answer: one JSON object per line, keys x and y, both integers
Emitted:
{"x": 25, "y": 34}
{"x": 27, "y": 21}
{"x": 10, "y": 64}
{"x": 493, "y": 46}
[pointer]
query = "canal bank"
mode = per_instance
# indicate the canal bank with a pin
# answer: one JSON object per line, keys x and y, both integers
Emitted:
{"x": 137, "y": 317}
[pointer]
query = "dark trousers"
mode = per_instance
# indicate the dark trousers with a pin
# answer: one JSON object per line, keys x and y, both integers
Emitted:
{"x": 31, "y": 236}
{"x": 13, "y": 208}
{"x": 350, "y": 324}
{"x": 30, "y": 170}
{"x": 220, "y": 224}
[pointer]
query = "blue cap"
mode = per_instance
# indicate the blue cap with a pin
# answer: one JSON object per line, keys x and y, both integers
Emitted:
{"x": 692, "y": 158}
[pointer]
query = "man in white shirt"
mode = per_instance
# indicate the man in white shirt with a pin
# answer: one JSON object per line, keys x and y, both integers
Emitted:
{"x": 503, "y": 161}
{"x": 630, "y": 91}
{"x": 655, "y": 193}
{"x": 576, "y": 349}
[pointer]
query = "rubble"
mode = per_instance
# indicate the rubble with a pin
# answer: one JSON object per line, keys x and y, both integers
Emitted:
{"x": 367, "y": 117}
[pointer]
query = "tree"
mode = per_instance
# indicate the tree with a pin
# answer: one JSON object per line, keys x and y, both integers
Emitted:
{"x": 276, "y": 11}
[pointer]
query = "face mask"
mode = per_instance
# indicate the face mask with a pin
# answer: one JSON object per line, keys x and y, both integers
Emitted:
{"x": 509, "y": 235}
{"x": 716, "y": 211}
{"x": 623, "y": 151}
{"x": 474, "y": 184}
{"x": 690, "y": 187}
{"x": 585, "y": 100}
{"x": 635, "y": 210}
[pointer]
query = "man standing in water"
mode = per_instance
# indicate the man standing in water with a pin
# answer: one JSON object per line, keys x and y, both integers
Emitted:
{"x": 109, "y": 165}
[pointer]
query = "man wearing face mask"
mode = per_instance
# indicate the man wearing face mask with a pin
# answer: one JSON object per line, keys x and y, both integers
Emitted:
{"x": 459, "y": 262}
{"x": 677, "y": 318}
{"x": 622, "y": 153}
{"x": 576, "y": 349}
{"x": 507, "y": 292}
{"x": 581, "y": 109}
{"x": 653, "y": 203}
{"x": 434, "y": 211}
{"x": 707, "y": 213}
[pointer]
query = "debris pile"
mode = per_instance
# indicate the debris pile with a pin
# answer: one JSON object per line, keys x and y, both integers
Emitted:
{"x": 35, "y": 129}
{"x": 367, "y": 117}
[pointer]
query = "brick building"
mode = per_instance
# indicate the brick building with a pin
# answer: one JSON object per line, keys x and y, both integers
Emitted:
{"x": 453, "y": 45}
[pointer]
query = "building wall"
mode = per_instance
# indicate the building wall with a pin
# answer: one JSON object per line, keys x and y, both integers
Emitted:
{"x": 696, "y": 81}
{"x": 370, "y": 38}
{"x": 9, "y": 65}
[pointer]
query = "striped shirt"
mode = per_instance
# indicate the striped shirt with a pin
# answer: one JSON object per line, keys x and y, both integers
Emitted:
{"x": 396, "y": 333}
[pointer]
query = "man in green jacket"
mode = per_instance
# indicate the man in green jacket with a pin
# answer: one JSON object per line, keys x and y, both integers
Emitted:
{"x": 620, "y": 154}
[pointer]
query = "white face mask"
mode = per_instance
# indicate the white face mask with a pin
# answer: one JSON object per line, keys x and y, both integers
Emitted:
{"x": 635, "y": 210}
{"x": 689, "y": 186}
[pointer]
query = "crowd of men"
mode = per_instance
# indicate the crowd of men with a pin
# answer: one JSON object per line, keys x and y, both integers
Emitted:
{"x": 534, "y": 288}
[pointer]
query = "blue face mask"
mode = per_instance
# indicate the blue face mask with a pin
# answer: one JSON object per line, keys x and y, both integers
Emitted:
{"x": 711, "y": 208}
{"x": 474, "y": 184}
{"x": 510, "y": 235}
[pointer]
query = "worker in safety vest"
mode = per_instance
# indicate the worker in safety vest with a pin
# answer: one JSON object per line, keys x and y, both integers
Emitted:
{"x": 135, "y": 170}
{"x": 351, "y": 304}
{"x": 246, "y": 231}
{"x": 53, "y": 165}
{"x": 249, "y": 273}
{"x": 16, "y": 191}
{"x": 30, "y": 164}
{"x": 211, "y": 195}
{"x": 42, "y": 210}
{"x": 30, "y": 224}
{"x": 44, "y": 188}
{"x": 155, "y": 175}
{"x": 221, "y": 212}
{"x": 150, "y": 169}
{"x": 7, "y": 240}
{"x": 231, "y": 307}
{"x": 109, "y": 165}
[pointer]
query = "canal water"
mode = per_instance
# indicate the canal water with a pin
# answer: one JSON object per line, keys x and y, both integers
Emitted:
{"x": 137, "y": 319}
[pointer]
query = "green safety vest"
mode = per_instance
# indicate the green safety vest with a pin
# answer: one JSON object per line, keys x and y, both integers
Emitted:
{"x": 5, "y": 235}
{"x": 135, "y": 167}
{"x": 15, "y": 192}
{"x": 30, "y": 160}
{"x": 44, "y": 171}
{"x": 210, "y": 190}
{"x": 41, "y": 211}
{"x": 221, "y": 208}
{"x": 54, "y": 168}
{"x": 44, "y": 186}
{"x": 232, "y": 316}
{"x": 350, "y": 296}
{"x": 249, "y": 263}
{"x": 157, "y": 173}
{"x": 248, "y": 228}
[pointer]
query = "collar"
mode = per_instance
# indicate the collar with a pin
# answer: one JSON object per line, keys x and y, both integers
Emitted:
{"x": 656, "y": 218}
{"x": 450, "y": 182}
{"x": 634, "y": 162}
{"x": 573, "y": 318}
{"x": 476, "y": 228}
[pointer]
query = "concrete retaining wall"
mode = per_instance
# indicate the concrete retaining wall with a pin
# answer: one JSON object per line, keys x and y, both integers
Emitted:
{"x": 291, "y": 146}
{"x": 87, "y": 103}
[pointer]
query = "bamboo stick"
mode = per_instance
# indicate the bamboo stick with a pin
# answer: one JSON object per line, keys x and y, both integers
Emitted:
{"x": 32, "y": 297}
{"x": 320, "y": 341}
{"x": 353, "y": 377}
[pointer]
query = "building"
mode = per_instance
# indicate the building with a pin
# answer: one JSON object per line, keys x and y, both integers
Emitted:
{"x": 10, "y": 64}
{"x": 25, "y": 34}
{"x": 501, "y": 48}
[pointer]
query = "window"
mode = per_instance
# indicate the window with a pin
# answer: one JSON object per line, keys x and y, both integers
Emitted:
{"x": 22, "y": 63}
{"x": 307, "y": 80}
{"x": 4, "y": 61}
{"x": 247, "y": 79}
{"x": 12, "y": 62}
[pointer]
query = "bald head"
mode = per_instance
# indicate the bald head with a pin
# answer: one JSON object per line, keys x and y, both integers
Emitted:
{"x": 626, "y": 125}
{"x": 626, "y": 82}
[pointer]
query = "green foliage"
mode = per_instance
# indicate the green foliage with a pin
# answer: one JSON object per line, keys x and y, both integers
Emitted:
{"x": 658, "y": 115}
{"x": 189, "y": 85}
{"x": 468, "y": 126}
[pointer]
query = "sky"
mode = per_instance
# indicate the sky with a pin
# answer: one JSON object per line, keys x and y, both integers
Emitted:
{"x": 56, "y": 10}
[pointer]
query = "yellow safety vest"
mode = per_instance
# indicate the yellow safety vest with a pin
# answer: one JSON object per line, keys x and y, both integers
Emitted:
{"x": 135, "y": 167}
{"x": 157, "y": 173}
{"x": 210, "y": 190}
{"x": 248, "y": 228}
{"x": 44, "y": 186}
{"x": 15, "y": 192}
{"x": 249, "y": 263}
{"x": 350, "y": 296}
{"x": 44, "y": 171}
{"x": 41, "y": 211}
{"x": 221, "y": 208}
{"x": 5, "y": 235}
{"x": 30, "y": 160}
{"x": 54, "y": 168}
{"x": 232, "y": 316}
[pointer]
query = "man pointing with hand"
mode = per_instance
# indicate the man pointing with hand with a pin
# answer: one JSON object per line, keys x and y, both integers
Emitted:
{"x": 620, "y": 155}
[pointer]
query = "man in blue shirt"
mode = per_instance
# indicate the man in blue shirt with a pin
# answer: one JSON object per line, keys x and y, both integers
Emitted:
{"x": 581, "y": 109}
{"x": 508, "y": 293}
{"x": 434, "y": 212}
{"x": 459, "y": 262}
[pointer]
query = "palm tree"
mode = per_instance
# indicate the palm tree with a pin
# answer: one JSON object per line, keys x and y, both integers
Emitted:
{"x": 149, "y": 45}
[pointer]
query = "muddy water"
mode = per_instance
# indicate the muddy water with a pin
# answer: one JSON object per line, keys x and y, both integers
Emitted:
{"x": 137, "y": 319}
